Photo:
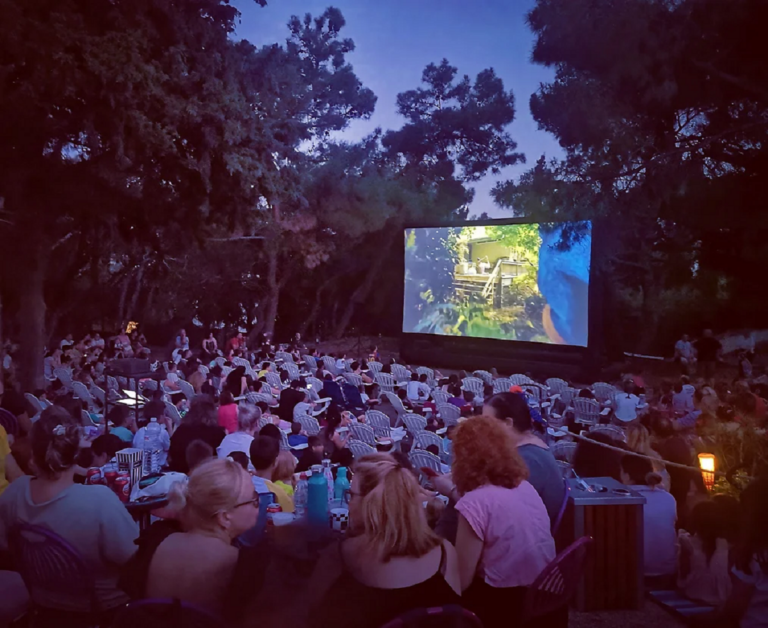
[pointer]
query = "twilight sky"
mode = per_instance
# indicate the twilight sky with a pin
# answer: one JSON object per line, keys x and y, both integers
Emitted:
{"x": 396, "y": 39}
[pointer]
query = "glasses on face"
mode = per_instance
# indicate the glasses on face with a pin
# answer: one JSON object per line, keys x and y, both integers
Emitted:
{"x": 249, "y": 502}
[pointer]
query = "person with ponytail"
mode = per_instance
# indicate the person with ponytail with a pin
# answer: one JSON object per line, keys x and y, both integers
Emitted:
{"x": 391, "y": 563}
{"x": 659, "y": 518}
{"x": 90, "y": 518}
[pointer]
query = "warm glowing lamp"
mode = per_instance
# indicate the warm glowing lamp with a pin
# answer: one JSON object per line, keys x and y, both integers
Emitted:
{"x": 707, "y": 464}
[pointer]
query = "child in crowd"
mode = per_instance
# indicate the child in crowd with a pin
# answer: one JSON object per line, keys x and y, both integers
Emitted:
{"x": 284, "y": 470}
{"x": 296, "y": 438}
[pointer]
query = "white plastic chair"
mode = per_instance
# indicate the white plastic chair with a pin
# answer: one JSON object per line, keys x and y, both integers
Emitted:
{"x": 34, "y": 402}
{"x": 556, "y": 385}
{"x": 519, "y": 379}
{"x": 396, "y": 404}
{"x": 353, "y": 379}
{"x": 83, "y": 394}
{"x": 375, "y": 367}
{"x": 420, "y": 458}
{"x": 614, "y": 431}
{"x": 187, "y": 389}
{"x": 440, "y": 396}
{"x": 587, "y": 411}
{"x": 284, "y": 356}
{"x": 567, "y": 395}
{"x": 293, "y": 370}
{"x": 423, "y": 370}
{"x": 474, "y": 384}
{"x": 310, "y": 362}
{"x": 64, "y": 376}
{"x": 329, "y": 364}
{"x": 308, "y": 423}
{"x": 237, "y": 361}
{"x": 363, "y": 433}
{"x": 485, "y": 376}
{"x": 603, "y": 392}
{"x": 503, "y": 384}
{"x": 424, "y": 439}
{"x": 401, "y": 373}
{"x": 414, "y": 423}
{"x": 379, "y": 422}
{"x": 284, "y": 444}
{"x": 172, "y": 412}
{"x": 564, "y": 450}
{"x": 254, "y": 398}
{"x": 385, "y": 381}
{"x": 449, "y": 413}
{"x": 317, "y": 385}
{"x": 360, "y": 449}
{"x": 220, "y": 361}
{"x": 273, "y": 379}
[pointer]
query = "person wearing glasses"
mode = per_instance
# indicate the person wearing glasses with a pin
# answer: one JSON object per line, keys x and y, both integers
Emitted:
{"x": 216, "y": 505}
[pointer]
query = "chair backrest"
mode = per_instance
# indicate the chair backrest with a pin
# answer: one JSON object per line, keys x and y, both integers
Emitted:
{"x": 449, "y": 616}
{"x": 449, "y": 413}
{"x": 273, "y": 379}
{"x": 440, "y": 396}
{"x": 614, "y": 431}
{"x": 317, "y": 385}
{"x": 568, "y": 394}
{"x": 172, "y": 412}
{"x": 396, "y": 403}
{"x": 330, "y": 364}
{"x": 237, "y": 361}
{"x": 485, "y": 376}
{"x": 226, "y": 370}
{"x": 34, "y": 402}
{"x": 284, "y": 356}
{"x": 363, "y": 433}
{"x": 302, "y": 408}
{"x": 414, "y": 423}
{"x": 308, "y": 423}
{"x": 424, "y": 439}
{"x": 81, "y": 392}
{"x": 587, "y": 411}
{"x": 165, "y": 613}
{"x": 519, "y": 379}
{"x": 187, "y": 389}
{"x": 503, "y": 384}
{"x": 534, "y": 392}
{"x": 603, "y": 392}
{"x": 401, "y": 373}
{"x": 112, "y": 384}
{"x": 293, "y": 370}
{"x": 375, "y": 367}
{"x": 475, "y": 384}
{"x": 420, "y": 458}
{"x": 64, "y": 376}
{"x": 284, "y": 444}
{"x": 563, "y": 450}
{"x": 52, "y": 568}
{"x": 9, "y": 422}
{"x": 558, "y": 582}
{"x": 424, "y": 370}
{"x": 204, "y": 369}
{"x": 254, "y": 398}
{"x": 99, "y": 394}
{"x": 310, "y": 362}
{"x": 360, "y": 449}
{"x": 556, "y": 385}
{"x": 379, "y": 422}
{"x": 353, "y": 379}
{"x": 149, "y": 384}
{"x": 385, "y": 381}
{"x": 221, "y": 361}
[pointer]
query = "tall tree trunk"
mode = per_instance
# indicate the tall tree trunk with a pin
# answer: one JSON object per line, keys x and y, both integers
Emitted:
{"x": 273, "y": 287}
{"x": 32, "y": 316}
{"x": 361, "y": 294}
{"x": 310, "y": 320}
{"x": 135, "y": 296}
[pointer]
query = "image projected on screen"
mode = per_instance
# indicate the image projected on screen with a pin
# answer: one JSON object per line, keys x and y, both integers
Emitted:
{"x": 525, "y": 282}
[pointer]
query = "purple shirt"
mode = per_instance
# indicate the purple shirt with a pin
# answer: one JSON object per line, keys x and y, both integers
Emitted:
{"x": 514, "y": 527}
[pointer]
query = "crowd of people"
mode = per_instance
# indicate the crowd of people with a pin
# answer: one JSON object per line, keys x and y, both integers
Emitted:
{"x": 229, "y": 423}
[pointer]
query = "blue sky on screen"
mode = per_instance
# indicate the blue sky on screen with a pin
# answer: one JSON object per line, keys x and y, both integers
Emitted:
{"x": 396, "y": 39}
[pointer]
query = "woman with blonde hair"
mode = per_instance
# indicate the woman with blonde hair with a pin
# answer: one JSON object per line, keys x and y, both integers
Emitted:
{"x": 503, "y": 540}
{"x": 639, "y": 441}
{"x": 216, "y": 505}
{"x": 392, "y": 561}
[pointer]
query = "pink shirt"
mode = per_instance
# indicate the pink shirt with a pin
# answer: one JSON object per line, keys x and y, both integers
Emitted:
{"x": 228, "y": 417}
{"x": 514, "y": 527}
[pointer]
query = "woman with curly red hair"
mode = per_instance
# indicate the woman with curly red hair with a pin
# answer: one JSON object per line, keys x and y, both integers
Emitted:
{"x": 503, "y": 540}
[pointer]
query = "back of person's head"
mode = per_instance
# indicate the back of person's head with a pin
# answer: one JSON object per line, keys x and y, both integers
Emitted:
{"x": 402, "y": 393}
{"x": 198, "y": 451}
{"x": 264, "y": 451}
{"x": 590, "y": 460}
{"x": 202, "y": 411}
{"x": 384, "y": 486}
{"x": 433, "y": 449}
{"x": 226, "y": 398}
{"x": 685, "y": 380}
{"x": 628, "y": 387}
{"x": 295, "y": 428}
{"x": 423, "y": 378}
{"x": 453, "y": 379}
{"x": 414, "y": 377}
{"x": 707, "y": 522}
{"x": 314, "y": 441}
{"x": 270, "y": 430}
{"x": 284, "y": 467}
{"x": 296, "y": 384}
{"x": 661, "y": 426}
{"x": 248, "y": 417}
{"x": 107, "y": 444}
{"x": 484, "y": 452}
{"x": 638, "y": 438}
{"x": 454, "y": 390}
{"x": 586, "y": 393}
{"x": 240, "y": 457}
{"x": 639, "y": 471}
{"x": 118, "y": 415}
{"x": 355, "y": 365}
{"x": 469, "y": 396}
{"x": 510, "y": 407}
{"x": 213, "y": 488}
{"x": 55, "y": 439}
{"x": 74, "y": 407}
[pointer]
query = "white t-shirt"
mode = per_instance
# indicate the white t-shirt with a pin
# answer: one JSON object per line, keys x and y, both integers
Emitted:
{"x": 660, "y": 536}
{"x": 237, "y": 441}
{"x": 413, "y": 389}
{"x": 341, "y": 365}
{"x": 165, "y": 441}
{"x": 626, "y": 407}
{"x": 756, "y": 615}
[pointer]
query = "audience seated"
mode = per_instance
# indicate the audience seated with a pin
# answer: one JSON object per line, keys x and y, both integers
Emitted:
{"x": 391, "y": 563}
{"x": 200, "y": 423}
{"x": 227, "y": 413}
{"x": 503, "y": 540}
{"x": 248, "y": 417}
{"x": 264, "y": 452}
{"x": 592, "y": 461}
{"x": 90, "y": 518}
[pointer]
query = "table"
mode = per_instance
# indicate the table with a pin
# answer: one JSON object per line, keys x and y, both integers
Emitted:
{"x": 141, "y": 511}
{"x": 613, "y": 574}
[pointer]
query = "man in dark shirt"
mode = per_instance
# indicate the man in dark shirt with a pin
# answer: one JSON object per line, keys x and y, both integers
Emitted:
{"x": 708, "y": 349}
{"x": 288, "y": 400}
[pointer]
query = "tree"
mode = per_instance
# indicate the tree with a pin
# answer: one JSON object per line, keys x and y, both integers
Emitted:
{"x": 662, "y": 115}
{"x": 115, "y": 117}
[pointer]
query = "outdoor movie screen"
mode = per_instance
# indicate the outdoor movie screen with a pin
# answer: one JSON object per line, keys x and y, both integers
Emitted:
{"x": 525, "y": 282}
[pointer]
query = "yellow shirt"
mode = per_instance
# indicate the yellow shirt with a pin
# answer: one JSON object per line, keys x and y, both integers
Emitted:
{"x": 5, "y": 450}
{"x": 286, "y": 502}
{"x": 286, "y": 487}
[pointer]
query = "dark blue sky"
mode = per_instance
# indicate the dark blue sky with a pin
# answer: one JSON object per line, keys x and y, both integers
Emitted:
{"x": 396, "y": 39}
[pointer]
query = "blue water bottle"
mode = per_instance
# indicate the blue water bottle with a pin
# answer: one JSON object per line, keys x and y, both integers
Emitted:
{"x": 317, "y": 498}
{"x": 341, "y": 485}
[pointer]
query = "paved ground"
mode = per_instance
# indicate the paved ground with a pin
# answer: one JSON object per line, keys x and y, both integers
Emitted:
{"x": 650, "y": 615}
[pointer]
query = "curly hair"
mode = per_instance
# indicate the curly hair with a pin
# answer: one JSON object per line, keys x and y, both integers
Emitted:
{"x": 485, "y": 453}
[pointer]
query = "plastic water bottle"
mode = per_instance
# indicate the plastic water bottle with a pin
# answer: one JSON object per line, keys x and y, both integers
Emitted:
{"x": 341, "y": 485}
{"x": 328, "y": 478}
{"x": 317, "y": 496}
{"x": 300, "y": 497}
{"x": 152, "y": 447}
